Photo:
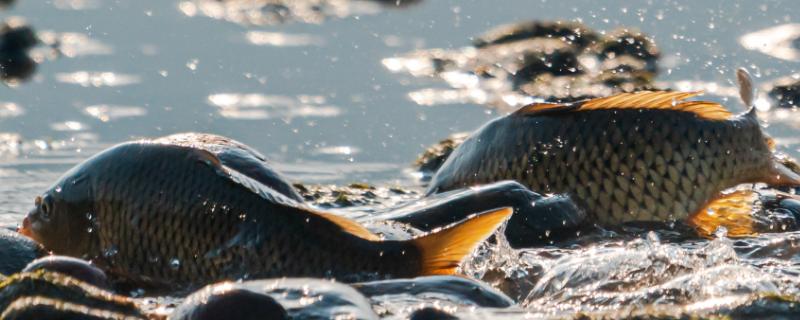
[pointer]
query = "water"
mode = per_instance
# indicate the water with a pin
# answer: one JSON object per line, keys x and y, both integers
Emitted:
{"x": 310, "y": 91}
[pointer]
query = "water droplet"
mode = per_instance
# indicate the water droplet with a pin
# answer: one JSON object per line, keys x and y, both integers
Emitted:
{"x": 721, "y": 232}
{"x": 175, "y": 263}
{"x": 58, "y": 188}
{"x": 111, "y": 251}
{"x": 192, "y": 64}
{"x": 89, "y": 229}
{"x": 653, "y": 237}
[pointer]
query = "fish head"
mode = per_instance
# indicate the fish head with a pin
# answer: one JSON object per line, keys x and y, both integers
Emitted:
{"x": 62, "y": 219}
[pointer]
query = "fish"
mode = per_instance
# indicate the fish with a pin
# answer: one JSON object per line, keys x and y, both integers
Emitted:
{"x": 171, "y": 214}
{"x": 647, "y": 156}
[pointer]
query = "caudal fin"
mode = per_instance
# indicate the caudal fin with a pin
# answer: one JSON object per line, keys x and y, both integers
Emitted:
{"x": 442, "y": 251}
{"x": 732, "y": 211}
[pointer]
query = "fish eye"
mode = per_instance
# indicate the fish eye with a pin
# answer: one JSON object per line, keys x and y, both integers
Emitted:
{"x": 46, "y": 206}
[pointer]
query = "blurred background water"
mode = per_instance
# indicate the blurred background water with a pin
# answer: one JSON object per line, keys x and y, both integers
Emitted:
{"x": 312, "y": 94}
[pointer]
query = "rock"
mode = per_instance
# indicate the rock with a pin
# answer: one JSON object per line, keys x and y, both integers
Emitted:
{"x": 235, "y": 303}
{"x": 297, "y": 298}
{"x": 57, "y": 296}
{"x": 76, "y": 268}
{"x": 354, "y": 195}
{"x": 512, "y": 65}
{"x": 433, "y": 158}
{"x": 17, "y": 251}
{"x": 16, "y": 38}
{"x": 629, "y": 43}
{"x": 430, "y": 313}
{"x": 786, "y": 92}
{"x": 570, "y": 32}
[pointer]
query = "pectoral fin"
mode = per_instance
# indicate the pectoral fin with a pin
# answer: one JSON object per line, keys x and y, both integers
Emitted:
{"x": 733, "y": 211}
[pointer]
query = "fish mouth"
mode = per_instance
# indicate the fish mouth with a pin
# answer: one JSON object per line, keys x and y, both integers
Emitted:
{"x": 25, "y": 228}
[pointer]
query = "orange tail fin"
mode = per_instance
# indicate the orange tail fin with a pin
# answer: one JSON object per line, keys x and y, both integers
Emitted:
{"x": 442, "y": 251}
{"x": 732, "y": 211}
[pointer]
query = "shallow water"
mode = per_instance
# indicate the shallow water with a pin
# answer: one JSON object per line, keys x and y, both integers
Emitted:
{"x": 311, "y": 92}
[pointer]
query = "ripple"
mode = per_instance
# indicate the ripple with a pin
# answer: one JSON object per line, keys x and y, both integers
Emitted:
{"x": 10, "y": 110}
{"x": 255, "y": 106}
{"x": 98, "y": 79}
{"x": 106, "y": 113}
{"x": 778, "y": 41}
{"x": 246, "y": 12}
{"x": 278, "y": 39}
{"x": 69, "y": 126}
{"x": 338, "y": 150}
{"x": 76, "y": 4}
{"x": 73, "y": 44}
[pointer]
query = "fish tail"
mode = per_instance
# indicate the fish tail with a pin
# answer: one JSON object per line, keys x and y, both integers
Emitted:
{"x": 732, "y": 211}
{"x": 442, "y": 251}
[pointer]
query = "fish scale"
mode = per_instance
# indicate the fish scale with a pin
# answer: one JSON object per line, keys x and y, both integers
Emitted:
{"x": 621, "y": 164}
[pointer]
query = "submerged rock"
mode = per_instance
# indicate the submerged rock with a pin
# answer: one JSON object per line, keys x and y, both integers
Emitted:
{"x": 16, "y": 251}
{"x": 76, "y": 268}
{"x": 354, "y": 195}
{"x": 56, "y": 296}
{"x": 431, "y": 313}
{"x": 231, "y": 303}
{"x": 275, "y": 12}
{"x": 786, "y": 92}
{"x": 295, "y": 298}
{"x": 433, "y": 157}
{"x": 16, "y": 39}
{"x": 520, "y": 63}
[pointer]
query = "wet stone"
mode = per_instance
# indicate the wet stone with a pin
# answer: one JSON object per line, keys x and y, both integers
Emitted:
{"x": 76, "y": 268}
{"x": 60, "y": 296}
{"x": 353, "y": 195}
{"x": 16, "y": 39}
{"x": 431, "y": 313}
{"x": 276, "y": 12}
{"x": 433, "y": 157}
{"x": 786, "y": 92}
{"x": 16, "y": 251}
{"x": 297, "y": 298}
{"x": 573, "y": 33}
{"x": 560, "y": 62}
{"x": 234, "y": 304}
{"x": 630, "y": 43}
{"x": 517, "y": 64}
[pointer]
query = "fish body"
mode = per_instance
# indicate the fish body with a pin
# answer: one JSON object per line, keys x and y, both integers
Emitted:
{"x": 165, "y": 213}
{"x": 647, "y": 156}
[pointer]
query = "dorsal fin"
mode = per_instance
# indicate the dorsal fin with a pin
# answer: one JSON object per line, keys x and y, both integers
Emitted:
{"x": 348, "y": 225}
{"x": 665, "y": 100}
